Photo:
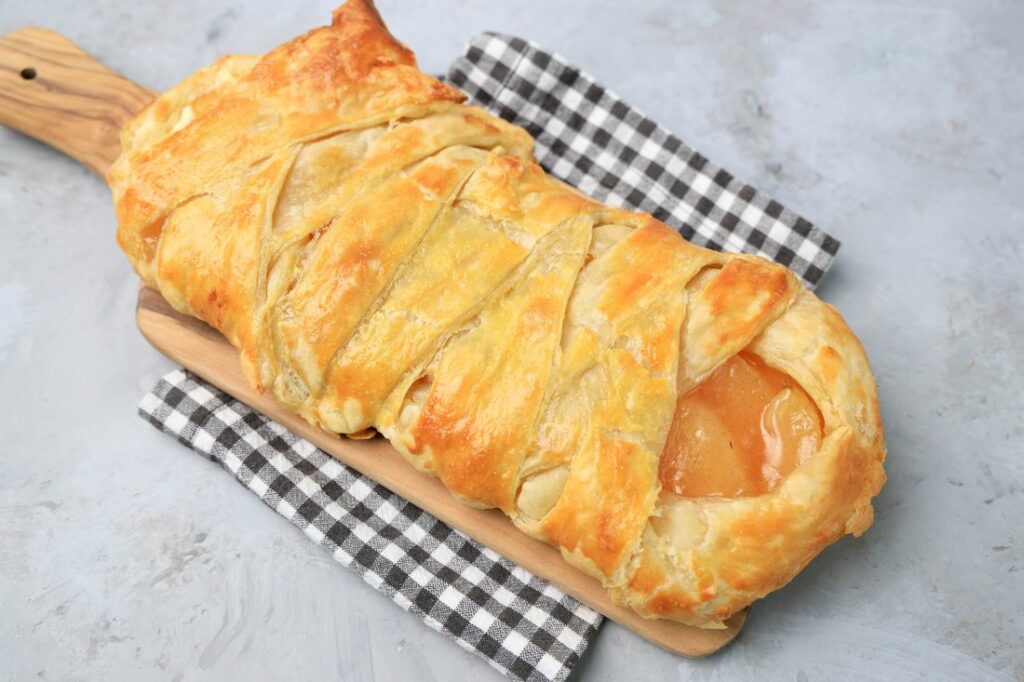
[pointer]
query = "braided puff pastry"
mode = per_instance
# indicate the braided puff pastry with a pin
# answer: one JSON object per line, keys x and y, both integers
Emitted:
{"x": 689, "y": 427}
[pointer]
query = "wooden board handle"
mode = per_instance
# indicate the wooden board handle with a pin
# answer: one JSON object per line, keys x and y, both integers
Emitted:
{"x": 54, "y": 91}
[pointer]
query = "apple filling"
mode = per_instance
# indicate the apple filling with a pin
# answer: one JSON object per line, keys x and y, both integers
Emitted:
{"x": 739, "y": 432}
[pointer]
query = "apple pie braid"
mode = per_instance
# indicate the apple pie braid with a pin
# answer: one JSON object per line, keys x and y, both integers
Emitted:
{"x": 689, "y": 427}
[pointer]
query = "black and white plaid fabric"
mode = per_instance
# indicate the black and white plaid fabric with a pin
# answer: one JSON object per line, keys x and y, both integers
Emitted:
{"x": 593, "y": 140}
{"x": 523, "y": 626}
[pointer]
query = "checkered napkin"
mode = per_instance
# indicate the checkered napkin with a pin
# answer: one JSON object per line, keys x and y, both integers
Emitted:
{"x": 524, "y": 627}
{"x": 590, "y": 138}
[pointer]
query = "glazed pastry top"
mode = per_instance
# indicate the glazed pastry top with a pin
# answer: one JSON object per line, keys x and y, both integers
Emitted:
{"x": 690, "y": 427}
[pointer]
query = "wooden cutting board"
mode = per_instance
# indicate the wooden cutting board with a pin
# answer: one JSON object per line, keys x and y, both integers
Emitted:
{"x": 53, "y": 91}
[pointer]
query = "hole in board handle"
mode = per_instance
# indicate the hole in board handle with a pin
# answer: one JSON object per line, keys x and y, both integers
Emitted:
{"x": 28, "y": 73}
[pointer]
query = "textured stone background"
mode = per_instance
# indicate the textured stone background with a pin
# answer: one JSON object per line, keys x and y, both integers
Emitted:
{"x": 895, "y": 125}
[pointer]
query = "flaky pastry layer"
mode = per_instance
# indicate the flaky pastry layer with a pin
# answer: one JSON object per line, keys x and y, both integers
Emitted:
{"x": 387, "y": 257}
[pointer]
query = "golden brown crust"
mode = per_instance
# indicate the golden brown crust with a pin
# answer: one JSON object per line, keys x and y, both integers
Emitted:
{"x": 386, "y": 257}
{"x": 734, "y": 551}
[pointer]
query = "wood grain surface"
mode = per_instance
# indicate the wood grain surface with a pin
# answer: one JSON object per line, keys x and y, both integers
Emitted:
{"x": 53, "y": 91}
{"x": 206, "y": 353}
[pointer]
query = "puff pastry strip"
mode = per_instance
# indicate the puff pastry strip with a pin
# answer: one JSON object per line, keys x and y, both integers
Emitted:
{"x": 385, "y": 256}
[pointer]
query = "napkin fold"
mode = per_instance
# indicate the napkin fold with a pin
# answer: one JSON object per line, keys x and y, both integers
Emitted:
{"x": 589, "y": 137}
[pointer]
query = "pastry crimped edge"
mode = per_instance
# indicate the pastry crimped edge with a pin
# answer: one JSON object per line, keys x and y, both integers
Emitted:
{"x": 744, "y": 548}
{"x": 728, "y": 552}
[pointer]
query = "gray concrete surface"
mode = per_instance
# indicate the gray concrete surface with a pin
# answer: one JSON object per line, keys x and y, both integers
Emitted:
{"x": 896, "y": 125}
